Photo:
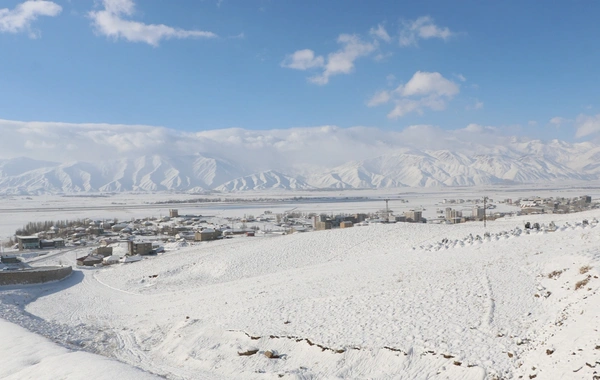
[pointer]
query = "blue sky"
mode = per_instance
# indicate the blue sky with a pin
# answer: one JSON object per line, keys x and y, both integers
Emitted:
{"x": 526, "y": 68}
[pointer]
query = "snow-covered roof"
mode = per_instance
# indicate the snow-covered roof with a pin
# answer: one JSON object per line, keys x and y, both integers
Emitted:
{"x": 130, "y": 259}
{"x": 112, "y": 258}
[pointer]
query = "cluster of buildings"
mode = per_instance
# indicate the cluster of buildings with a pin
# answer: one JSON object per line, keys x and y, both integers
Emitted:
{"x": 325, "y": 222}
{"x": 35, "y": 242}
{"x": 143, "y": 237}
{"x": 412, "y": 216}
{"x": 453, "y": 216}
{"x": 173, "y": 226}
{"x": 105, "y": 255}
{"x": 532, "y": 205}
{"x": 462, "y": 201}
{"x": 556, "y": 205}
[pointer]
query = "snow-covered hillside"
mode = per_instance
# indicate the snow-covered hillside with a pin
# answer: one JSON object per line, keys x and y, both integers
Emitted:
{"x": 515, "y": 163}
{"x": 265, "y": 180}
{"x": 29, "y": 356}
{"x": 401, "y": 301}
{"x": 146, "y": 173}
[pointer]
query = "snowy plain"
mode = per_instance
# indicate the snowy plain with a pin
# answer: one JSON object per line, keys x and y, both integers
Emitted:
{"x": 402, "y": 301}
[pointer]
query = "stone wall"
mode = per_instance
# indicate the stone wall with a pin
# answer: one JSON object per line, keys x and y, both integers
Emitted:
{"x": 34, "y": 276}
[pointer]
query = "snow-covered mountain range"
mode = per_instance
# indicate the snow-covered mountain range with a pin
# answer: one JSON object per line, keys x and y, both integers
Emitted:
{"x": 516, "y": 163}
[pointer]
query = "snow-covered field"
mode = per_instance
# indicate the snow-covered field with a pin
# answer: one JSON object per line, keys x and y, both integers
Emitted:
{"x": 379, "y": 301}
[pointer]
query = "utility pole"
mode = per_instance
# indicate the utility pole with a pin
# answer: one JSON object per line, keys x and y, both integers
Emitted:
{"x": 387, "y": 211}
{"x": 484, "y": 211}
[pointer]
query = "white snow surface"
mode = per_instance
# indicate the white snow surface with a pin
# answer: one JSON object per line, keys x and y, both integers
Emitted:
{"x": 380, "y": 301}
{"x": 29, "y": 356}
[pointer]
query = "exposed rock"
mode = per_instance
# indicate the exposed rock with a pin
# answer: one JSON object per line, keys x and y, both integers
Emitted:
{"x": 248, "y": 352}
{"x": 271, "y": 355}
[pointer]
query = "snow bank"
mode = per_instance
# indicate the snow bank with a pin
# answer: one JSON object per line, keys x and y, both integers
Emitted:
{"x": 29, "y": 356}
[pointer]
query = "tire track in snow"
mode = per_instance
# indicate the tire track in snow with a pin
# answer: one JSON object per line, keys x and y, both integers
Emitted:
{"x": 488, "y": 316}
{"x": 113, "y": 288}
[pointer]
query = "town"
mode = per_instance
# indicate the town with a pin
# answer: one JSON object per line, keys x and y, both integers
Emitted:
{"x": 112, "y": 241}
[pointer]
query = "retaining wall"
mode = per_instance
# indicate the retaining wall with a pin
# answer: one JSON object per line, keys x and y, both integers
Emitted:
{"x": 34, "y": 276}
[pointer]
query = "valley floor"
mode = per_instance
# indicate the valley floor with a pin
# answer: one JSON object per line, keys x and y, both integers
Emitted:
{"x": 381, "y": 301}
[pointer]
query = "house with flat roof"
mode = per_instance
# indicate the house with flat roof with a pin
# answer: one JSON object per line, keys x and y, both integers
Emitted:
{"x": 207, "y": 234}
{"x": 139, "y": 248}
{"x": 9, "y": 259}
{"x": 28, "y": 242}
{"x": 413, "y": 216}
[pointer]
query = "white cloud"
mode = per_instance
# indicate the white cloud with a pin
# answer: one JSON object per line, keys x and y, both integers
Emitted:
{"x": 112, "y": 22}
{"x": 532, "y": 123}
{"x": 380, "y": 33}
{"x": 460, "y": 77}
{"x": 294, "y": 147}
{"x": 23, "y": 15}
{"x": 587, "y": 125}
{"x": 477, "y": 128}
{"x": 303, "y": 60}
{"x": 64, "y": 142}
{"x": 382, "y": 56}
{"x": 403, "y": 107}
{"x": 426, "y": 83}
{"x": 342, "y": 61}
{"x": 422, "y": 28}
{"x": 425, "y": 90}
{"x": 30, "y": 144}
{"x": 379, "y": 98}
{"x": 354, "y": 47}
{"x": 338, "y": 62}
{"x": 477, "y": 105}
{"x": 558, "y": 121}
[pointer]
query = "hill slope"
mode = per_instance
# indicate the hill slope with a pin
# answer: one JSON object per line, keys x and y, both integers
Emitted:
{"x": 365, "y": 302}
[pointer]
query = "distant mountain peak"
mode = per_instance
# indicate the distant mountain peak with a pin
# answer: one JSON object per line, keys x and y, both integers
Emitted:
{"x": 517, "y": 162}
